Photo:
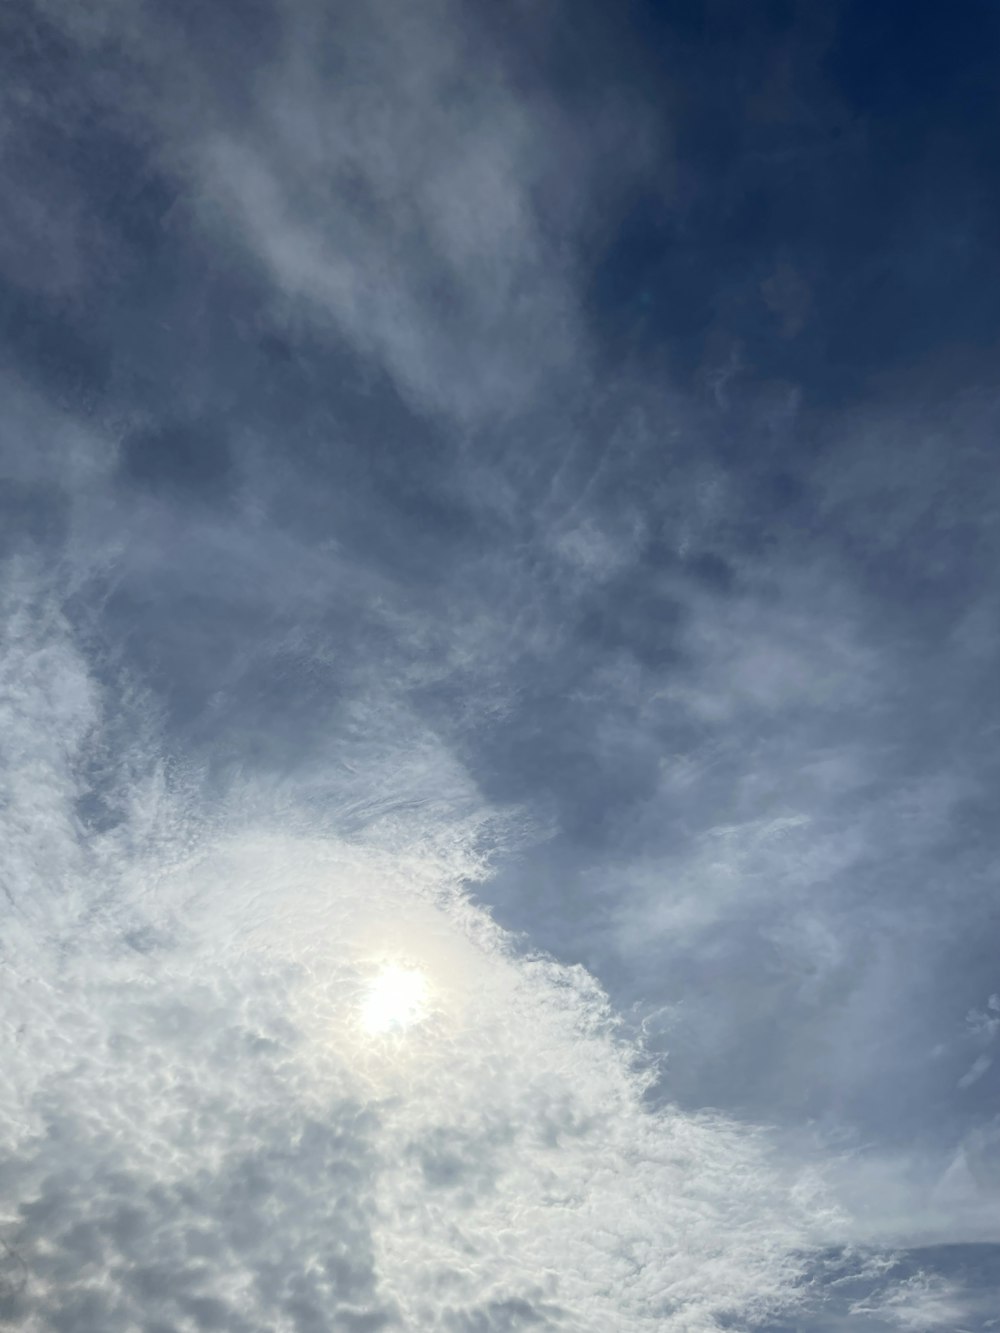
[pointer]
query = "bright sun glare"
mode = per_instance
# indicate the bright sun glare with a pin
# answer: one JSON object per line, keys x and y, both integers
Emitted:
{"x": 396, "y": 999}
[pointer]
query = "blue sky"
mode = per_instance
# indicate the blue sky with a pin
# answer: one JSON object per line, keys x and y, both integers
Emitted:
{"x": 503, "y": 496}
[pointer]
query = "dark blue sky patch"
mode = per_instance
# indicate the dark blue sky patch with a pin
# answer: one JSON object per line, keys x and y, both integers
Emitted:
{"x": 834, "y": 232}
{"x": 192, "y": 459}
{"x": 913, "y": 63}
{"x": 52, "y": 343}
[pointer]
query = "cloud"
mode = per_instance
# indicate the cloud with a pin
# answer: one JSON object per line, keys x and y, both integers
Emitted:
{"x": 920, "y": 1302}
{"x": 398, "y": 180}
{"x": 356, "y": 582}
{"x": 198, "y": 1127}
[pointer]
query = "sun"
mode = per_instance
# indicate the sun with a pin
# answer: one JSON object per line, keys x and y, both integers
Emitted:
{"x": 395, "y": 1000}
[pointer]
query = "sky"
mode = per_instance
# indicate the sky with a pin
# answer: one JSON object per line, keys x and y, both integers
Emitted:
{"x": 499, "y": 721}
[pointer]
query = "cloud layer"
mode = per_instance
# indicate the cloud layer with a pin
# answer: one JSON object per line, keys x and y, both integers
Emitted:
{"x": 201, "y": 1132}
{"x": 484, "y": 492}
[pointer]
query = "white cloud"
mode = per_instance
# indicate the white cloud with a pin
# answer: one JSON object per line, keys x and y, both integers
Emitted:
{"x": 920, "y": 1304}
{"x": 199, "y": 1130}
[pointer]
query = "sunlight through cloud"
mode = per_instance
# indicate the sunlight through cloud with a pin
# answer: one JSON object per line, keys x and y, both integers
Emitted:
{"x": 395, "y": 1000}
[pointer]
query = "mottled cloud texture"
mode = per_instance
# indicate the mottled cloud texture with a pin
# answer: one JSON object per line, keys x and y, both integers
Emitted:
{"x": 199, "y": 1132}
{"x": 448, "y": 524}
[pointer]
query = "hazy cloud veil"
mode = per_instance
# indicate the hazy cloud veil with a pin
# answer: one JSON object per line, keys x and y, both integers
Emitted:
{"x": 433, "y": 537}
